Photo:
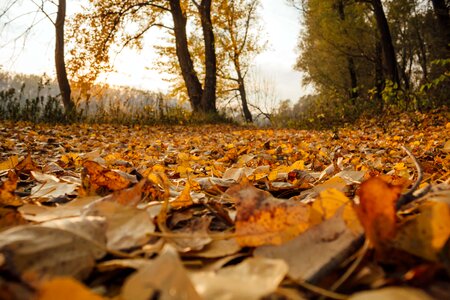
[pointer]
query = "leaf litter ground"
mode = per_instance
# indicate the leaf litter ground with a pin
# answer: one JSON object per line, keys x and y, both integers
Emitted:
{"x": 225, "y": 212}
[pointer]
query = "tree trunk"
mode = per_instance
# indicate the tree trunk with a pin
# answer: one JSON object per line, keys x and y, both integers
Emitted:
{"x": 193, "y": 85}
{"x": 441, "y": 11}
{"x": 379, "y": 78}
{"x": 243, "y": 94}
{"x": 60, "y": 64}
{"x": 208, "y": 100}
{"x": 350, "y": 62}
{"x": 386, "y": 42}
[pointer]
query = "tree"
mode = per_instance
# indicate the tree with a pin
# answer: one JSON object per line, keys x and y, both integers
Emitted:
{"x": 103, "y": 26}
{"x": 191, "y": 80}
{"x": 350, "y": 61}
{"x": 60, "y": 67}
{"x": 239, "y": 40}
{"x": 386, "y": 41}
{"x": 208, "y": 101}
{"x": 441, "y": 10}
{"x": 337, "y": 48}
{"x": 60, "y": 64}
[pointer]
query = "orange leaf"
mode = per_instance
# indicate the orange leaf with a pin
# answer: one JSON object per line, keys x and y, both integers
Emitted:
{"x": 376, "y": 210}
{"x": 65, "y": 288}
{"x": 264, "y": 220}
{"x": 7, "y": 188}
{"x": 184, "y": 199}
{"x": 100, "y": 176}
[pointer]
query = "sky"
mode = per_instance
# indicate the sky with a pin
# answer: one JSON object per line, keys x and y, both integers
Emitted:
{"x": 275, "y": 65}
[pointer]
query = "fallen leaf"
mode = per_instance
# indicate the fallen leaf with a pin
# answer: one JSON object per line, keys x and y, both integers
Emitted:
{"x": 251, "y": 279}
{"x": 126, "y": 226}
{"x": 65, "y": 288}
{"x": 7, "y": 188}
{"x": 184, "y": 199}
{"x": 317, "y": 251}
{"x": 197, "y": 235}
{"x": 115, "y": 264}
{"x": 101, "y": 177}
{"x": 219, "y": 248}
{"x": 52, "y": 189}
{"x": 165, "y": 277}
{"x": 26, "y": 165}
{"x": 376, "y": 210}
{"x": 264, "y": 220}
{"x": 426, "y": 232}
{"x": 90, "y": 228}
{"x": 46, "y": 213}
{"x": 43, "y": 178}
{"x": 27, "y": 250}
{"x": 10, "y": 163}
{"x": 391, "y": 293}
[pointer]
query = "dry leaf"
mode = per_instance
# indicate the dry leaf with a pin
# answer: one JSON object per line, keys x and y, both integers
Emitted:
{"x": 7, "y": 188}
{"x": 251, "y": 279}
{"x": 391, "y": 293}
{"x": 126, "y": 226}
{"x": 217, "y": 248}
{"x": 46, "y": 213}
{"x": 425, "y": 233}
{"x": 197, "y": 235}
{"x": 165, "y": 277}
{"x": 184, "y": 199}
{"x": 376, "y": 210}
{"x": 317, "y": 251}
{"x": 264, "y": 220}
{"x": 27, "y": 250}
{"x": 65, "y": 288}
{"x": 52, "y": 189}
{"x": 10, "y": 163}
{"x": 99, "y": 176}
{"x": 26, "y": 165}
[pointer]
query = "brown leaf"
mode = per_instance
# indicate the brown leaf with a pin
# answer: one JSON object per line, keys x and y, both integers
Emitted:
{"x": 101, "y": 177}
{"x": 26, "y": 165}
{"x": 263, "y": 220}
{"x": 164, "y": 276}
{"x": 36, "y": 252}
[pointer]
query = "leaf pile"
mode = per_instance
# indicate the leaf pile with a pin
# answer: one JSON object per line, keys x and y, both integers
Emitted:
{"x": 223, "y": 212}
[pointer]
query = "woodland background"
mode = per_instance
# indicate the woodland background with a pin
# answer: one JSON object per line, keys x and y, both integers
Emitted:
{"x": 358, "y": 57}
{"x": 118, "y": 193}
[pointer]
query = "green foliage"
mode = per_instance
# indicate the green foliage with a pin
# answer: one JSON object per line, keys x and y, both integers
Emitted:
{"x": 340, "y": 46}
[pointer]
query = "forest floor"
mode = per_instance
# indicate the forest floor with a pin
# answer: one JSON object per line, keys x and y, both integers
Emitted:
{"x": 226, "y": 212}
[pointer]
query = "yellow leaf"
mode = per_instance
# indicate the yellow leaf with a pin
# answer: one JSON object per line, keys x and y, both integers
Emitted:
{"x": 400, "y": 166}
{"x": 273, "y": 175}
{"x": 326, "y": 205}
{"x": 184, "y": 199}
{"x": 158, "y": 168}
{"x": 298, "y": 165}
{"x": 183, "y": 156}
{"x": 10, "y": 163}
{"x": 426, "y": 233}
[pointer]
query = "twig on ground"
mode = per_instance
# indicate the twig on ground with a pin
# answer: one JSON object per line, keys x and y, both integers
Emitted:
{"x": 409, "y": 196}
